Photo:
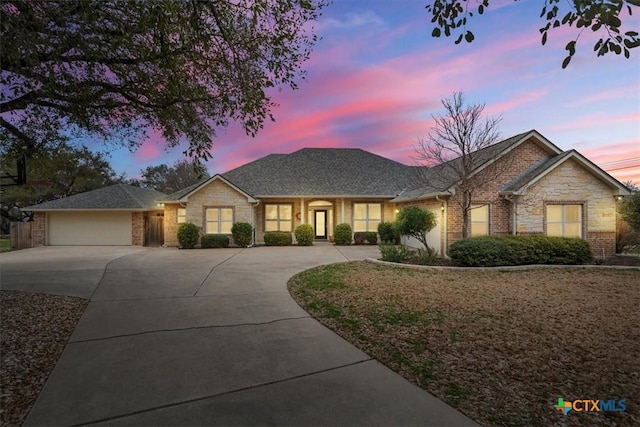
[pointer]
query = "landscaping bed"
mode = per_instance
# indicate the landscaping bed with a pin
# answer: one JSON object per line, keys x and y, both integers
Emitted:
{"x": 35, "y": 330}
{"x": 500, "y": 346}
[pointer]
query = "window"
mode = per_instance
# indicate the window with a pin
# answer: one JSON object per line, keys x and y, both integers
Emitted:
{"x": 278, "y": 217}
{"x": 479, "y": 220}
{"x": 218, "y": 220}
{"x": 182, "y": 215}
{"x": 366, "y": 216}
{"x": 564, "y": 220}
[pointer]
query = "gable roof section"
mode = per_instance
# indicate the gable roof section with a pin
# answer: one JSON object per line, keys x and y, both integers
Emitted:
{"x": 114, "y": 197}
{"x": 520, "y": 184}
{"x": 322, "y": 172}
{"x": 441, "y": 179}
{"x": 183, "y": 195}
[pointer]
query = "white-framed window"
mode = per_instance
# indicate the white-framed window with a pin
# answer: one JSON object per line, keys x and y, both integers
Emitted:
{"x": 366, "y": 216}
{"x": 218, "y": 220}
{"x": 479, "y": 218}
{"x": 278, "y": 217}
{"x": 564, "y": 220}
{"x": 182, "y": 215}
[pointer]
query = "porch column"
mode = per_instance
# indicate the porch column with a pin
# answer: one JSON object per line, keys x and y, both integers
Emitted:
{"x": 303, "y": 216}
{"x": 342, "y": 211}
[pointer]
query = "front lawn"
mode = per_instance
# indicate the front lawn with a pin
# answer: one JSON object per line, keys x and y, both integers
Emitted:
{"x": 500, "y": 346}
{"x": 5, "y": 245}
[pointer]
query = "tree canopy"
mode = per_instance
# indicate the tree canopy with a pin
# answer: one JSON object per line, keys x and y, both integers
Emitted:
{"x": 118, "y": 68}
{"x": 169, "y": 179}
{"x": 69, "y": 170}
{"x": 450, "y": 17}
{"x": 416, "y": 222}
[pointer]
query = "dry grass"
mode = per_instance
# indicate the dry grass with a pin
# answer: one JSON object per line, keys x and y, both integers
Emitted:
{"x": 501, "y": 346}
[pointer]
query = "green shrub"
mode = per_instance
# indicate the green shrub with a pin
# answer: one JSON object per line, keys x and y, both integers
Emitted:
{"x": 343, "y": 234}
{"x": 214, "y": 241}
{"x": 277, "y": 238}
{"x": 188, "y": 235}
{"x": 359, "y": 237}
{"x": 242, "y": 233}
{"x": 304, "y": 235}
{"x": 416, "y": 222}
{"x": 393, "y": 253}
{"x": 388, "y": 233}
{"x": 491, "y": 251}
{"x": 423, "y": 257}
{"x": 372, "y": 237}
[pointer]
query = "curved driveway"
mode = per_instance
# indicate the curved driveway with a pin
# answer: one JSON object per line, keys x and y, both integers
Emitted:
{"x": 207, "y": 337}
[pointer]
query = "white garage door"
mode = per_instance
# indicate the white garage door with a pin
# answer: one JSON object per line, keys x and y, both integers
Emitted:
{"x": 89, "y": 228}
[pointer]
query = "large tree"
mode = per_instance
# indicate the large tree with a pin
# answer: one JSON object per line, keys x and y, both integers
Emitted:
{"x": 61, "y": 170}
{"x": 169, "y": 179}
{"x": 118, "y": 68}
{"x": 454, "y": 151}
{"x": 450, "y": 17}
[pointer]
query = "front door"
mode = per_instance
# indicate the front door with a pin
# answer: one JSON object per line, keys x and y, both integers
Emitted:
{"x": 320, "y": 224}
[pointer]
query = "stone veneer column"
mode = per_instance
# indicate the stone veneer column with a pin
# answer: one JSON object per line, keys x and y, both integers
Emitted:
{"x": 137, "y": 228}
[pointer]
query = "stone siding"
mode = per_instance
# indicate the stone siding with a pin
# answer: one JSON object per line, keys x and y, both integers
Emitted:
{"x": 171, "y": 224}
{"x": 215, "y": 194}
{"x": 570, "y": 183}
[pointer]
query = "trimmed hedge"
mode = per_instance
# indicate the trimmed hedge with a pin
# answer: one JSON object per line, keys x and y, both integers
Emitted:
{"x": 214, "y": 241}
{"x": 242, "y": 233}
{"x": 372, "y": 237}
{"x": 188, "y": 235}
{"x": 277, "y": 238}
{"x": 492, "y": 251}
{"x": 343, "y": 234}
{"x": 388, "y": 233}
{"x": 304, "y": 235}
{"x": 359, "y": 237}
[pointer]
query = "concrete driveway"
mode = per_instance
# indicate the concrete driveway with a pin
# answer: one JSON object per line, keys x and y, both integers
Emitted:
{"x": 207, "y": 337}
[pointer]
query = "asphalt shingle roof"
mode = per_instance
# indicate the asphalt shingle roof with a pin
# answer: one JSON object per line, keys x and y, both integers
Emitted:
{"x": 322, "y": 172}
{"x": 118, "y": 196}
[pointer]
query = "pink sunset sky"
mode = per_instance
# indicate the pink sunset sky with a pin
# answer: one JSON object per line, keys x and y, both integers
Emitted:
{"x": 377, "y": 77}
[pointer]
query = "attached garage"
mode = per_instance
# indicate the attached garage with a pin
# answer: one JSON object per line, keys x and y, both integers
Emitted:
{"x": 89, "y": 228}
{"x": 118, "y": 215}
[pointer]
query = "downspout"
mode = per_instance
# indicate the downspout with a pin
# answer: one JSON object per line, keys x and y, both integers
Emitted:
{"x": 253, "y": 224}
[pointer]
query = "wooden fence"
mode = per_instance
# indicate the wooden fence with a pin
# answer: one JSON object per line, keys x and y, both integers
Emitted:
{"x": 20, "y": 235}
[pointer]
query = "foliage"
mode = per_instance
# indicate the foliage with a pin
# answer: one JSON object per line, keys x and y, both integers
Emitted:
{"x": 121, "y": 69}
{"x": 360, "y": 237}
{"x": 388, "y": 233}
{"x": 491, "y": 251}
{"x": 188, "y": 234}
{"x": 304, "y": 235}
{"x": 242, "y": 233}
{"x": 597, "y": 15}
{"x": 456, "y": 145}
{"x": 343, "y": 234}
{"x": 70, "y": 170}
{"x": 416, "y": 222}
{"x": 277, "y": 238}
{"x": 393, "y": 253}
{"x": 426, "y": 256}
{"x": 169, "y": 179}
{"x": 214, "y": 241}
{"x": 629, "y": 209}
{"x": 372, "y": 237}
